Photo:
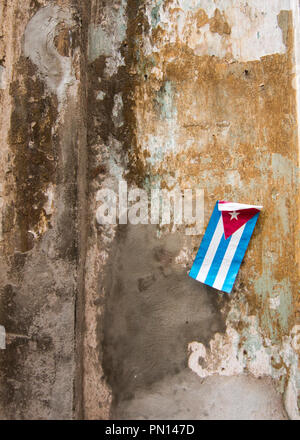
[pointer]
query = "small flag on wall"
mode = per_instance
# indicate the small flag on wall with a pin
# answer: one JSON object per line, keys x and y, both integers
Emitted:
{"x": 224, "y": 244}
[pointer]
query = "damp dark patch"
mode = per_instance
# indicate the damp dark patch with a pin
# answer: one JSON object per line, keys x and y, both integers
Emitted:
{"x": 8, "y": 217}
{"x": 100, "y": 123}
{"x": 35, "y": 5}
{"x": 17, "y": 262}
{"x": 153, "y": 310}
{"x": 36, "y": 348}
{"x": 101, "y": 126}
{"x": 14, "y": 391}
{"x": 7, "y": 305}
{"x": 137, "y": 27}
{"x": 33, "y": 116}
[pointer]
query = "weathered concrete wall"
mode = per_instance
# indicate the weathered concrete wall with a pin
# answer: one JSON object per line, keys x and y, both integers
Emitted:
{"x": 42, "y": 135}
{"x": 191, "y": 94}
{"x": 103, "y": 321}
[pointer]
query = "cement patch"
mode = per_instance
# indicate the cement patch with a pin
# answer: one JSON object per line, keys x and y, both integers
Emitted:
{"x": 40, "y": 48}
{"x": 186, "y": 397}
{"x": 2, "y": 337}
{"x": 153, "y": 310}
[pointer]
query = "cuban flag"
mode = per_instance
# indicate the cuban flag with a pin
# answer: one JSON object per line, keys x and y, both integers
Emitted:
{"x": 224, "y": 244}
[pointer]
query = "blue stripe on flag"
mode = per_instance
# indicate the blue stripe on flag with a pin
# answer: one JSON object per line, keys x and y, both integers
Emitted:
{"x": 239, "y": 254}
{"x": 205, "y": 242}
{"x": 217, "y": 261}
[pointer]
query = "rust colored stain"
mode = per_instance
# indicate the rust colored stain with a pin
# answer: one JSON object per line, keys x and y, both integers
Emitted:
{"x": 66, "y": 39}
{"x": 32, "y": 120}
{"x": 62, "y": 40}
{"x": 232, "y": 118}
{"x": 219, "y": 24}
{"x": 228, "y": 120}
{"x": 201, "y": 17}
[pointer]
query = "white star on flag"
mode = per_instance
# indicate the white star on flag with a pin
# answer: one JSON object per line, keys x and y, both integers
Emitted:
{"x": 234, "y": 215}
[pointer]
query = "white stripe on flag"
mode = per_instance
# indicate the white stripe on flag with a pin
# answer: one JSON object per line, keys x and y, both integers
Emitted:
{"x": 236, "y": 207}
{"x": 228, "y": 257}
{"x": 211, "y": 251}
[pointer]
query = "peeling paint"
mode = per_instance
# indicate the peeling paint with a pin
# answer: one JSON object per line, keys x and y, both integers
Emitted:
{"x": 2, "y": 338}
{"x": 100, "y": 96}
{"x": 239, "y": 36}
{"x": 2, "y": 77}
{"x": 105, "y": 38}
{"x": 211, "y": 111}
{"x": 41, "y": 170}
{"x": 239, "y": 352}
{"x": 166, "y": 94}
{"x": 117, "y": 111}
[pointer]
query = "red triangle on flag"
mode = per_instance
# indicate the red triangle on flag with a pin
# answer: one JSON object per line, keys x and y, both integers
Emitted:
{"x": 234, "y": 220}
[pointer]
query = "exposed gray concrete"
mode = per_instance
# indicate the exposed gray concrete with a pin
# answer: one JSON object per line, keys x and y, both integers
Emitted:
{"x": 40, "y": 279}
{"x": 153, "y": 309}
{"x": 2, "y": 337}
{"x": 39, "y": 46}
{"x": 186, "y": 397}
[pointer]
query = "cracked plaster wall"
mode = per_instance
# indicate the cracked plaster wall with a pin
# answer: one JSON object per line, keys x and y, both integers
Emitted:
{"x": 209, "y": 101}
{"x": 103, "y": 321}
{"x": 42, "y": 133}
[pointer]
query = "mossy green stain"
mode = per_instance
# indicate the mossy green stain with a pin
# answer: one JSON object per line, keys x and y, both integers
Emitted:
{"x": 164, "y": 98}
{"x": 275, "y": 322}
{"x": 155, "y": 14}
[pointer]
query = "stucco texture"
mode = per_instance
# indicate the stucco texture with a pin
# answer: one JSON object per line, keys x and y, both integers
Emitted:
{"x": 102, "y": 321}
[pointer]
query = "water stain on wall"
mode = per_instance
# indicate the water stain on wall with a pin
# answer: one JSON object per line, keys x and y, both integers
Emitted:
{"x": 197, "y": 120}
{"x": 152, "y": 310}
{"x": 32, "y": 122}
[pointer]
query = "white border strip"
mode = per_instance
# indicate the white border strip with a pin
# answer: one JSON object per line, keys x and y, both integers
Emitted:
{"x": 236, "y": 206}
